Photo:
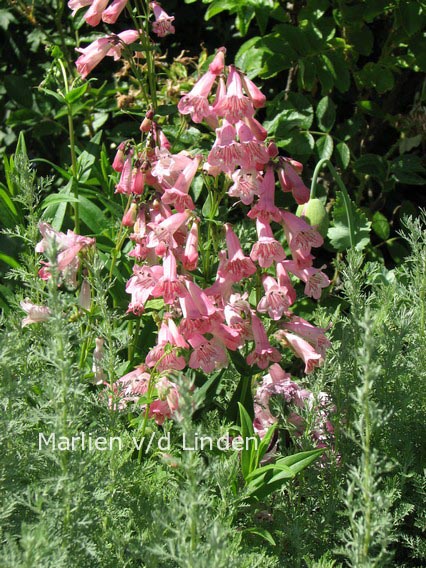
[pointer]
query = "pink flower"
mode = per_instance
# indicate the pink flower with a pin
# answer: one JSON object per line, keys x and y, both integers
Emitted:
{"x": 196, "y": 101}
{"x": 303, "y": 350}
{"x": 94, "y": 13}
{"x": 226, "y": 151}
{"x": 125, "y": 182}
{"x": 314, "y": 278}
{"x": 265, "y": 208}
{"x": 110, "y": 15}
{"x": 162, "y": 234}
{"x": 190, "y": 255}
{"x": 238, "y": 265}
{"x": 170, "y": 286}
{"x": 290, "y": 181}
{"x": 35, "y": 313}
{"x": 178, "y": 194}
{"x": 246, "y": 185}
{"x": 266, "y": 250}
{"x": 163, "y": 22}
{"x": 278, "y": 297}
{"x": 254, "y": 93}
{"x": 300, "y": 235}
{"x": 263, "y": 351}
{"x": 253, "y": 151}
{"x": 314, "y": 335}
{"x": 221, "y": 289}
{"x": 110, "y": 46}
{"x": 234, "y": 105}
{"x": 141, "y": 285}
{"x": 207, "y": 355}
{"x": 163, "y": 358}
{"x": 168, "y": 167}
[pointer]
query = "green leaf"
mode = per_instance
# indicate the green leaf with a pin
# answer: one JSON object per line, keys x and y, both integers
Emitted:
{"x": 408, "y": 169}
{"x": 380, "y": 225}
{"x": 92, "y": 215}
{"x": 19, "y": 89}
{"x": 373, "y": 165}
{"x": 218, "y": 6}
{"x": 249, "y": 450}
{"x": 324, "y": 146}
{"x": 326, "y": 114}
{"x": 351, "y": 228}
{"x": 266, "y": 535}
{"x": 9, "y": 260}
{"x": 76, "y": 93}
{"x": 342, "y": 155}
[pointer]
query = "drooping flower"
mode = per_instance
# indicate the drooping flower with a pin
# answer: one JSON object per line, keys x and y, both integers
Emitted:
{"x": 238, "y": 265}
{"x": 170, "y": 286}
{"x": 178, "y": 194}
{"x": 246, "y": 185}
{"x": 265, "y": 207}
{"x": 290, "y": 180}
{"x": 141, "y": 285}
{"x": 263, "y": 352}
{"x": 35, "y": 313}
{"x": 300, "y": 235}
{"x": 267, "y": 249}
{"x": 163, "y": 22}
{"x": 234, "y": 105}
{"x": 315, "y": 280}
{"x": 302, "y": 349}
{"x": 207, "y": 354}
{"x": 164, "y": 356}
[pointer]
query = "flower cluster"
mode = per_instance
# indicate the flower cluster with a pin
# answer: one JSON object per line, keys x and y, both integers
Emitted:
{"x": 199, "y": 324}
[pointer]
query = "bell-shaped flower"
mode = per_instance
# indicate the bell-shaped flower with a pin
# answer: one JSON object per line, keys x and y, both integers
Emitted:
{"x": 263, "y": 352}
{"x": 300, "y": 235}
{"x": 162, "y": 25}
{"x": 265, "y": 207}
{"x": 178, "y": 194}
{"x": 234, "y": 105}
{"x": 246, "y": 185}
{"x": 141, "y": 285}
{"x": 267, "y": 249}
{"x": 35, "y": 313}
{"x": 238, "y": 265}
{"x": 290, "y": 181}
{"x": 170, "y": 286}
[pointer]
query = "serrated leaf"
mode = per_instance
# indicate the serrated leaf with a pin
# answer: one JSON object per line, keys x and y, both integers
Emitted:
{"x": 351, "y": 228}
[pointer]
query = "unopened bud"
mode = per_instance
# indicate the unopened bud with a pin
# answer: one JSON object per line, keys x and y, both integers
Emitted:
{"x": 314, "y": 213}
{"x": 129, "y": 217}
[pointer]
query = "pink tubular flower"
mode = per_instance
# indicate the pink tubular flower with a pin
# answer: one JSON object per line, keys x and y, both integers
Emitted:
{"x": 313, "y": 335}
{"x": 314, "y": 278}
{"x": 94, "y": 14}
{"x": 263, "y": 351}
{"x": 265, "y": 208}
{"x": 303, "y": 350}
{"x": 279, "y": 296}
{"x": 168, "y": 167}
{"x": 207, "y": 355}
{"x": 141, "y": 285}
{"x": 226, "y": 151}
{"x": 267, "y": 249}
{"x": 110, "y": 15}
{"x": 246, "y": 185}
{"x": 234, "y": 105}
{"x": 162, "y": 234}
{"x": 221, "y": 289}
{"x": 253, "y": 152}
{"x": 178, "y": 194}
{"x": 196, "y": 101}
{"x": 125, "y": 182}
{"x": 163, "y": 358}
{"x": 238, "y": 265}
{"x": 35, "y": 313}
{"x": 300, "y": 235}
{"x": 163, "y": 22}
{"x": 290, "y": 181}
{"x": 170, "y": 286}
{"x": 190, "y": 255}
{"x": 110, "y": 46}
{"x": 254, "y": 93}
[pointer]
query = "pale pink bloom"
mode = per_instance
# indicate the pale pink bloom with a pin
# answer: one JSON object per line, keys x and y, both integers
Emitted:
{"x": 170, "y": 286}
{"x": 190, "y": 255}
{"x": 196, "y": 102}
{"x": 222, "y": 288}
{"x": 138, "y": 180}
{"x": 265, "y": 207}
{"x": 226, "y": 151}
{"x": 253, "y": 152}
{"x": 263, "y": 352}
{"x": 254, "y": 93}
{"x": 246, "y": 185}
{"x": 234, "y": 105}
{"x": 168, "y": 167}
{"x": 129, "y": 388}
{"x": 267, "y": 249}
{"x": 110, "y": 46}
{"x": 230, "y": 337}
{"x": 314, "y": 335}
{"x": 75, "y": 5}
{"x": 168, "y": 402}
{"x": 238, "y": 265}
{"x": 35, "y": 313}
{"x": 290, "y": 181}
{"x": 218, "y": 64}
{"x": 66, "y": 246}
{"x": 314, "y": 278}
{"x": 94, "y": 13}
{"x": 258, "y": 131}
{"x": 110, "y": 15}
{"x": 162, "y": 235}
{"x": 277, "y": 300}
{"x": 163, "y": 22}
{"x": 303, "y": 350}
{"x": 163, "y": 358}
{"x": 120, "y": 156}
{"x": 125, "y": 182}
{"x": 300, "y": 235}
{"x": 207, "y": 355}
{"x": 129, "y": 217}
{"x": 178, "y": 194}
{"x": 141, "y": 285}
{"x": 196, "y": 304}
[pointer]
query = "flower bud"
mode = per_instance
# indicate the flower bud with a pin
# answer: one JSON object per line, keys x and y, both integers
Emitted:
{"x": 314, "y": 213}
